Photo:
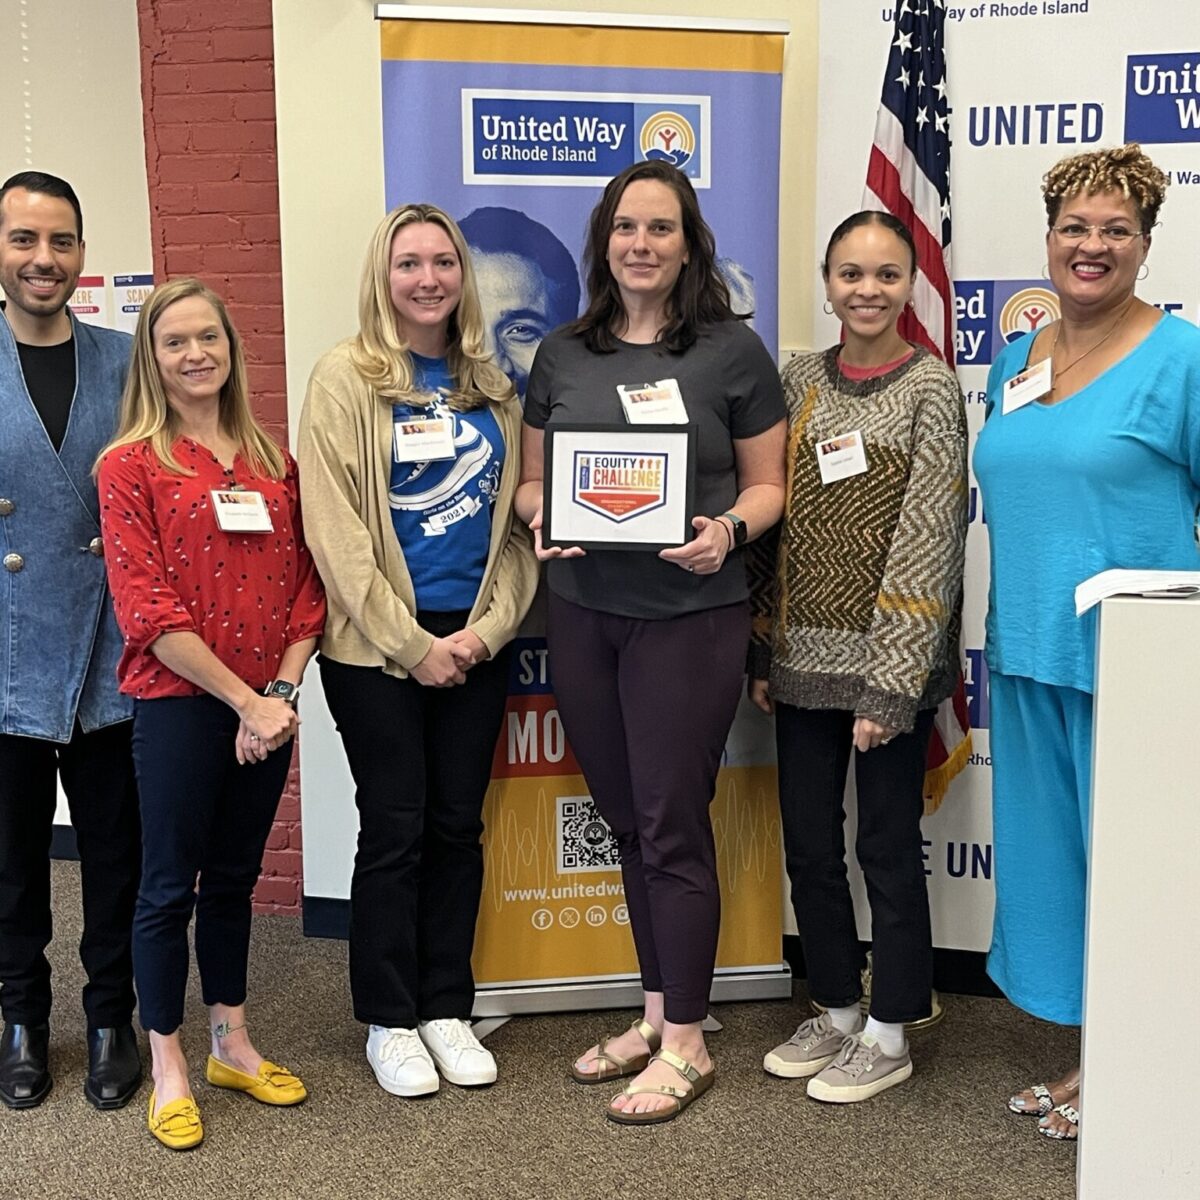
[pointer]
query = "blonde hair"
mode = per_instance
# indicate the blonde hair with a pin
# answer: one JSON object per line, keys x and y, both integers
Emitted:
{"x": 146, "y": 416}
{"x": 379, "y": 352}
{"x": 1123, "y": 169}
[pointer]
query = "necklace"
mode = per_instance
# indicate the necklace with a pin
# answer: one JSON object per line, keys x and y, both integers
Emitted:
{"x": 1055, "y": 373}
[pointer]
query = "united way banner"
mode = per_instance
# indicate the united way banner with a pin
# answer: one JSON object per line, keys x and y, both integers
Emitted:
{"x": 1029, "y": 83}
{"x": 514, "y": 129}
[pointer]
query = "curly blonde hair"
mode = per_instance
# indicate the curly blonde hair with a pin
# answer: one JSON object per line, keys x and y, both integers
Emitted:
{"x": 1123, "y": 169}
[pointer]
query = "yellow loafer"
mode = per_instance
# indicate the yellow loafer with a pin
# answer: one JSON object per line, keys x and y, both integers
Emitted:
{"x": 272, "y": 1085}
{"x": 177, "y": 1124}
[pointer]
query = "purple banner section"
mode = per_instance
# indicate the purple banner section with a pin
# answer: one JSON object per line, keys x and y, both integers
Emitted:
{"x": 518, "y": 155}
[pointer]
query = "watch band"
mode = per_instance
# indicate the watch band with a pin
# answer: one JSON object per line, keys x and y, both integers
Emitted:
{"x": 739, "y": 532}
{"x": 283, "y": 690}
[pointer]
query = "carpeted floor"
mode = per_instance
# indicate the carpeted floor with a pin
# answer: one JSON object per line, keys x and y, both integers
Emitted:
{"x": 946, "y": 1134}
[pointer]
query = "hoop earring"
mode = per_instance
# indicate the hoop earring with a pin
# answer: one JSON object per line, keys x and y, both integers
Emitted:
{"x": 1046, "y": 271}
{"x": 828, "y": 308}
{"x": 1142, "y": 268}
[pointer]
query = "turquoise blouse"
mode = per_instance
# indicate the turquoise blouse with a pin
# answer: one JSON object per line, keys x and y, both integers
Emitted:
{"x": 1109, "y": 477}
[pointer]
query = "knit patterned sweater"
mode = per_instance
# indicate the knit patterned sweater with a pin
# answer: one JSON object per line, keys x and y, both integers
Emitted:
{"x": 857, "y": 593}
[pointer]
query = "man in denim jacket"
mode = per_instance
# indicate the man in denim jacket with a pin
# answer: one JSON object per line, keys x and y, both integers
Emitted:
{"x": 60, "y": 712}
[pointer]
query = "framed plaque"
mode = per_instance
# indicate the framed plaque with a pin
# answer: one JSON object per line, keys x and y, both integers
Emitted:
{"x": 619, "y": 487}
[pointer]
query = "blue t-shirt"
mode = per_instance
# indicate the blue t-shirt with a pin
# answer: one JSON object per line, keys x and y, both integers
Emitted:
{"x": 442, "y": 510}
{"x": 1109, "y": 477}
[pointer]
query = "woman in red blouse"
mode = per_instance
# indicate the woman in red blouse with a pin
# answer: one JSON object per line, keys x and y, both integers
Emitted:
{"x": 221, "y": 609}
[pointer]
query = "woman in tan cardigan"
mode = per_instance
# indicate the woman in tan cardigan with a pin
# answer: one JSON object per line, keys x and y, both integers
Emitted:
{"x": 410, "y": 443}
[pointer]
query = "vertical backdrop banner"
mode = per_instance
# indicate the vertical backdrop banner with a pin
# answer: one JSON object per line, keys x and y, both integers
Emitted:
{"x": 514, "y": 129}
{"x": 1018, "y": 104}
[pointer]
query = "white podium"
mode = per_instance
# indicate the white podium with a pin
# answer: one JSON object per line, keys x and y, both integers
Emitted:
{"x": 1140, "y": 1132}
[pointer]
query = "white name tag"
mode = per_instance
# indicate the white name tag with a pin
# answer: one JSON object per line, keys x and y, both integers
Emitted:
{"x": 241, "y": 512}
{"x": 658, "y": 403}
{"x": 423, "y": 439}
{"x": 1026, "y": 386}
{"x": 841, "y": 457}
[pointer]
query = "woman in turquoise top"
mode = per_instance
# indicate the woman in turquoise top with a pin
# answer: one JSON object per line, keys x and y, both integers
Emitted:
{"x": 1095, "y": 463}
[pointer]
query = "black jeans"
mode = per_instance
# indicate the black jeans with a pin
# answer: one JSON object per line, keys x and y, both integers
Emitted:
{"x": 814, "y": 754}
{"x": 97, "y": 776}
{"x": 421, "y": 758}
{"x": 647, "y": 706}
{"x": 202, "y": 813}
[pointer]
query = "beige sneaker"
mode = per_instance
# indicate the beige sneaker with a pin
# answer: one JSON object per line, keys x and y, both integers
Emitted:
{"x": 860, "y": 1070}
{"x": 810, "y": 1049}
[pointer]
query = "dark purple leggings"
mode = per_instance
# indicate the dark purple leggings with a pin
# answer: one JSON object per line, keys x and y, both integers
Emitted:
{"x": 647, "y": 706}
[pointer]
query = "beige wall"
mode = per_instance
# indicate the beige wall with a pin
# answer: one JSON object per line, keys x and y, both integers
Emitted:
{"x": 331, "y": 166}
{"x": 73, "y": 106}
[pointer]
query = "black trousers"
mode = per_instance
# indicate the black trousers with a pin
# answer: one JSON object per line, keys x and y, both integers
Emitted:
{"x": 421, "y": 758}
{"x": 814, "y": 754}
{"x": 202, "y": 813}
{"x": 647, "y": 706}
{"x": 97, "y": 775}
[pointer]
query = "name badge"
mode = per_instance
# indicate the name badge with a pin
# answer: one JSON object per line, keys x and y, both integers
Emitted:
{"x": 658, "y": 403}
{"x": 841, "y": 457}
{"x": 423, "y": 439}
{"x": 240, "y": 511}
{"x": 1026, "y": 386}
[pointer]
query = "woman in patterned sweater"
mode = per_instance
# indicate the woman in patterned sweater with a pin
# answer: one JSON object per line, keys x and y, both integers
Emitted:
{"x": 857, "y": 611}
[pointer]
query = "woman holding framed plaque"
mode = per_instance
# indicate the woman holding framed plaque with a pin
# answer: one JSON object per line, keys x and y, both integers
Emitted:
{"x": 857, "y": 618}
{"x": 409, "y": 442}
{"x": 647, "y": 649}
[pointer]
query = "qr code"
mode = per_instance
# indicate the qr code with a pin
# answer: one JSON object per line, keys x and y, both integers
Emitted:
{"x": 585, "y": 842}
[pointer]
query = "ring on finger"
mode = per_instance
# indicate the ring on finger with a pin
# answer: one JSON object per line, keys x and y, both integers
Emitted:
{"x": 254, "y": 737}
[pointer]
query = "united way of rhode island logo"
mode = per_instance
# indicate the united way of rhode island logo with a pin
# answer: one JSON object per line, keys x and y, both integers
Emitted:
{"x": 620, "y": 486}
{"x": 668, "y": 137}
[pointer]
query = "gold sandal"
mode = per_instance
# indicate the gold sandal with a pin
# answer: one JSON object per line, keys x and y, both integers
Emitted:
{"x": 697, "y": 1084}
{"x": 613, "y": 1066}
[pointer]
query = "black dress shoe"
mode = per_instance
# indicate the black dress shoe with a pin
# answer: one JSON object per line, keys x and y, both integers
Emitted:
{"x": 24, "y": 1054}
{"x": 114, "y": 1066}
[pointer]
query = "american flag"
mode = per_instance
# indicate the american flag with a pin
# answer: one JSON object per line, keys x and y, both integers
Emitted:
{"x": 909, "y": 177}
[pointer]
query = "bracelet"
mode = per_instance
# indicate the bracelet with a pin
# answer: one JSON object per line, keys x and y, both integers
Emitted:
{"x": 727, "y": 525}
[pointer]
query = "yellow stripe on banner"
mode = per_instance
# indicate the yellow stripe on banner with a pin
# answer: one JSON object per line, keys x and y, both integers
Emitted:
{"x": 580, "y": 46}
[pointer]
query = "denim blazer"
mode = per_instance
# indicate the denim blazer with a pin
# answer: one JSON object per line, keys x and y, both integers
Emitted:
{"x": 59, "y": 642}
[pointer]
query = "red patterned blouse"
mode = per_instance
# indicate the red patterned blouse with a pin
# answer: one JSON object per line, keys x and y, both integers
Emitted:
{"x": 171, "y": 568}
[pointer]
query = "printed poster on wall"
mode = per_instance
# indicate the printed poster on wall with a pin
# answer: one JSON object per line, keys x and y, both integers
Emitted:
{"x": 514, "y": 129}
{"x": 1122, "y": 80}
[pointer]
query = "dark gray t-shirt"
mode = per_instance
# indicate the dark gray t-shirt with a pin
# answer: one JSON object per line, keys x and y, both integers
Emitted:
{"x": 731, "y": 389}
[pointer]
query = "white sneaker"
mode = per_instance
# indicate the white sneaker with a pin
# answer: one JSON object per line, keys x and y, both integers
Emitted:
{"x": 457, "y": 1051}
{"x": 400, "y": 1061}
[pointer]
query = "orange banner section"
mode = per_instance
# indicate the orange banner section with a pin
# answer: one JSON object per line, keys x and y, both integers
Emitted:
{"x": 532, "y": 741}
{"x": 580, "y": 45}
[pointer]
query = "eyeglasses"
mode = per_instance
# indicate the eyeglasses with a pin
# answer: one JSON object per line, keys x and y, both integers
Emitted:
{"x": 1110, "y": 235}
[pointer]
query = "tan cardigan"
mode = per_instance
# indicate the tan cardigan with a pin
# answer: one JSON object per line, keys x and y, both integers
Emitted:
{"x": 344, "y": 450}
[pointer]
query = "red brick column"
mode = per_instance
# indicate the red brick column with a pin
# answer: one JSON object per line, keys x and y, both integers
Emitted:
{"x": 208, "y": 102}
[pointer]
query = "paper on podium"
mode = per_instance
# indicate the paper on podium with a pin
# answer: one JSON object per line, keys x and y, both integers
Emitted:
{"x": 1162, "y": 585}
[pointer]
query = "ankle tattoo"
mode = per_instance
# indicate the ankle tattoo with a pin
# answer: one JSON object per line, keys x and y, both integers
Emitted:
{"x": 223, "y": 1029}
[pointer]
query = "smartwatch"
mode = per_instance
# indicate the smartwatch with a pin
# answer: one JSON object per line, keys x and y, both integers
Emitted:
{"x": 740, "y": 530}
{"x": 280, "y": 688}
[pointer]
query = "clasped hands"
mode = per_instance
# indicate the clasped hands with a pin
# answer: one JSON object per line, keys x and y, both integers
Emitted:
{"x": 267, "y": 723}
{"x": 448, "y": 660}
